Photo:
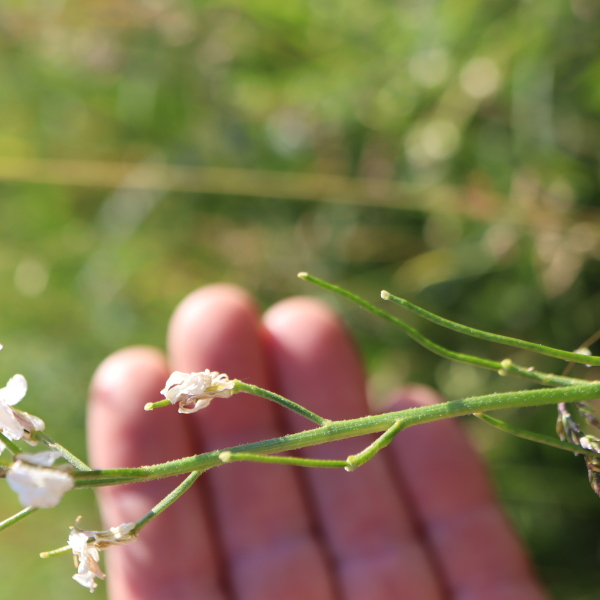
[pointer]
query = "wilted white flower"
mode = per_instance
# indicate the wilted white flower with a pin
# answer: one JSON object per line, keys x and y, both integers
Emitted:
{"x": 16, "y": 424}
{"x": 86, "y": 559}
{"x": 86, "y": 546}
{"x": 87, "y": 580}
{"x": 194, "y": 391}
{"x": 36, "y": 484}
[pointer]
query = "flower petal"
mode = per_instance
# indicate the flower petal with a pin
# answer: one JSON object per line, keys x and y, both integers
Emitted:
{"x": 86, "y": 580}
{"x": 40, "y": 459}
{"x": 29, "y": 422}
{"x": 78, "y": 541}
{"x": 194, "y": 391}
{"x": 191, "y": 405}
{"x": 9, "y": 424}
{"x": 38, "y": 487}
{"x": 175, "y": 379}
{"x": 15, "y": 390}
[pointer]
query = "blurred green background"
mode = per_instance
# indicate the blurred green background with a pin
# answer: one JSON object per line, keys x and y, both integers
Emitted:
{"x": 447, "y": 151}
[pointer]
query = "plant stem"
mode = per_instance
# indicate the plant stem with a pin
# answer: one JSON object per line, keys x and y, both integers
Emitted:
{"x": 370, "y": 451}
{"x": 154, "y": 512}
{"x": 337, "y": 430}
{"x": 10, "y": 446}
{"x": 159, "y": 404}
{"x": 228, "y": 457}
{"x": 57, "y": 552}
{"x": 532, "y": 436}
{"x": 168, "y": 500}
{"x": 492, "y": 337}
{"x": 67, "y": 455}
{"x": 500, "y": 367}
{"x": 16, "y": 518}
{"x": 240, "y": 386}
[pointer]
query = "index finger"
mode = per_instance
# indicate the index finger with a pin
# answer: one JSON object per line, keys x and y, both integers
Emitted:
{"x": 121, "y": 434}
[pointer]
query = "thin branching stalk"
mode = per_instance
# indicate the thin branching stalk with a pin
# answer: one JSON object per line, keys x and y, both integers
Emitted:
{"x": 532, "y": 436}
{"x": 240, "y": 386}
{"x": 56, "y": 552}
{"x": 66, "y": 454}
{"x": 17, "y": 517}
{"x": 493, "y": 337}
{"x": 10, "y": 446}
{"x": 561, "y": 390}
{"x": 338, "y": 430}
{"x": 183, "y": 487}
{"x": 228, "y": 457}
{"x": 505, "y": 367}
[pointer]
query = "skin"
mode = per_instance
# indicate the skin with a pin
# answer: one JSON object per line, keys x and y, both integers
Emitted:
{"x": 419, "y": 522}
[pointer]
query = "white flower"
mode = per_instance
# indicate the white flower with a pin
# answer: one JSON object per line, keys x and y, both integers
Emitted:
{"x": 35, "y": 483}
{"x": 87, "y": 558}
{"x": 87, "y": 580}
{"x": 194, "y": 391}
{"x": 16, "y": 424}
{"x": 86, "y": 546}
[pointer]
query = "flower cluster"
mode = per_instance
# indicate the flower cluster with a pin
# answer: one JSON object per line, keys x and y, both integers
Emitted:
{"x": 16, "y": 424}
{"x": 35, "y": 482}
{"x": 86, "y": 546}
{"x": 194, "y": 391}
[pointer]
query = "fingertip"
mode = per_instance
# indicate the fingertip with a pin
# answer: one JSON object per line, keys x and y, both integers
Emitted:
{"x": 293, "y": 314}
{"x": 217, "y": 327}
{"x": 209, "y": 326}
{"x": 120, "y": 432}
{"x": 136, "y": 369}
{"x": 315, "y": 360}
{"x": 212, "y": 296}
{"x": 308, "y": 328}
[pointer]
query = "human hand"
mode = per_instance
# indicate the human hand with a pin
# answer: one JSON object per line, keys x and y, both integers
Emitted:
{"x": 418, "y": 522}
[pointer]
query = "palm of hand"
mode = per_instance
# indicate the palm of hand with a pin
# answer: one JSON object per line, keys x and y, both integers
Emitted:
{"x": 418, "y": 522}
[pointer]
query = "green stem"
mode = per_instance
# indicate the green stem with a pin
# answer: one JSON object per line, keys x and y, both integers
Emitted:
{"x": 526, "y": 373}
{"x": 338, "y": 430}
{"x": 370, "y": 451}
{"x": 492, "y": 337}
{"x": 240, "y": 386}
{"x": 109, "y": 477}
{"x": 159, "y": 404}
{"x": 532, "y": 436}
{"x": 57, "y": 552}
{"x": 16, "y": 518}
{"x": 168, "y": 500}
{"x": 153, "y": 513}
{"x": 10, "y": 446}
{"x": 67, "y": 455}
{"x": 228, "y": 457}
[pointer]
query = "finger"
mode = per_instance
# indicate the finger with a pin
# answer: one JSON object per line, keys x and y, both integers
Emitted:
{"x": 261, "y": 517}
{"x": 481, "y": 557}
{"x": 362, "y": 513}
{"x": 173, "y": 555}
